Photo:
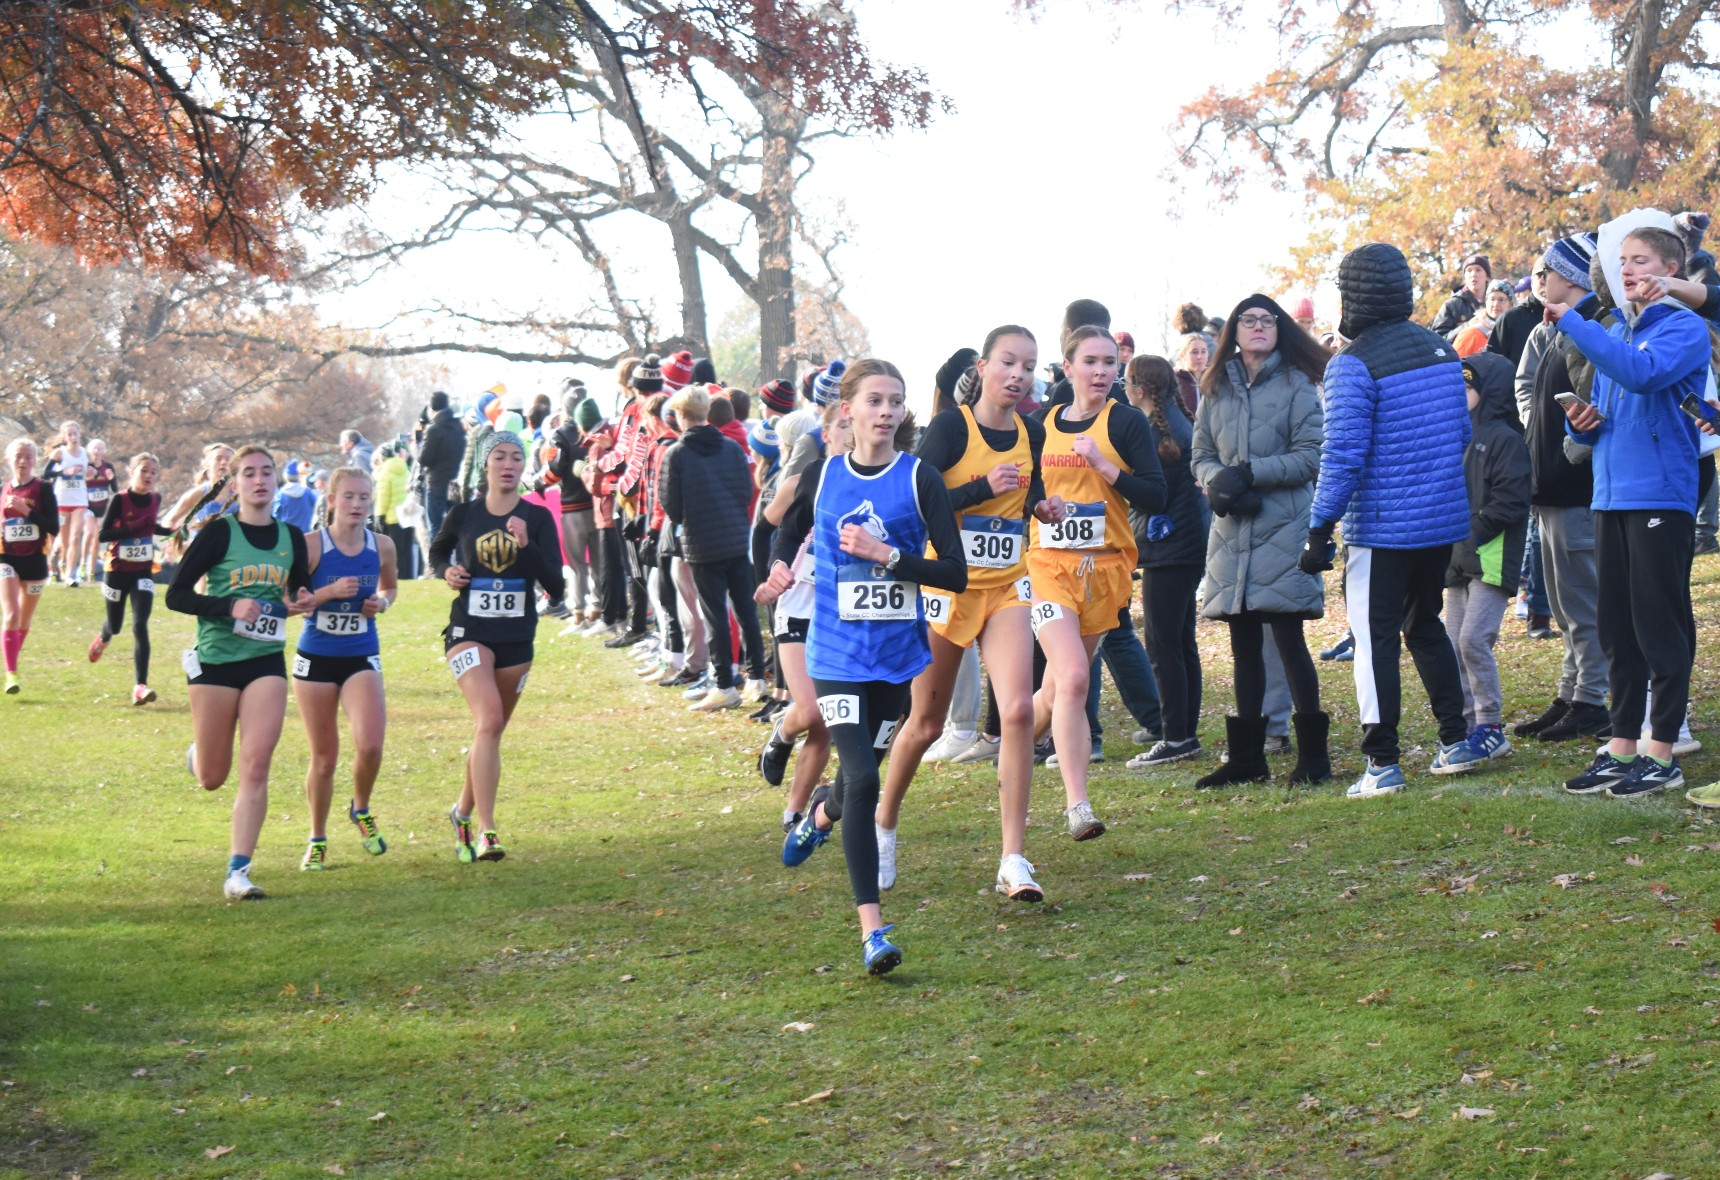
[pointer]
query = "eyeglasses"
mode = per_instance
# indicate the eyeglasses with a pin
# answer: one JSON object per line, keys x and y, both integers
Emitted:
{"x": 1256, "y": 321}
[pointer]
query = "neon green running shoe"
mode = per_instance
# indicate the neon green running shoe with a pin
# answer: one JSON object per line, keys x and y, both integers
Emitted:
{"x": 316, "y": 857}
{"x": 1708, "y": 796}
{"x": 490, "y": 847}
{"x": 366, "y": 825}
{"x": 12, "y": 685}
{"x": 463, "y": 850}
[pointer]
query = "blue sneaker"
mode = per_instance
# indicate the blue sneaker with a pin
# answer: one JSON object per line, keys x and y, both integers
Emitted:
{"x": 805, "y": 837}
{"x": 1457, "y": 758}
{"x": 1377, "y": 780}
{"x": 1491, "y": 741}
{"x": 882, "y": 955}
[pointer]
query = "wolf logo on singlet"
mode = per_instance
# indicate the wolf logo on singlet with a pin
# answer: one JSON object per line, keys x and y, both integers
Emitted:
{"x": 994, "y": 540}
{"x": 1084, "y": 563}
{"x": 868, "y": 623}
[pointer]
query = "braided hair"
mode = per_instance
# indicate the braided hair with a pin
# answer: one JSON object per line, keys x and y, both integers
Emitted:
{"x": 1156, "y": 379}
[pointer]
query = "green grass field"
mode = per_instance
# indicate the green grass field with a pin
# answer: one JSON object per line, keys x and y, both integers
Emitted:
{"x": 1258, "y": 983}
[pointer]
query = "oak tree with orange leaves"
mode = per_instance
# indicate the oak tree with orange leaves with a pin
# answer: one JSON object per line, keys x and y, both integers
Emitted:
{"x": 1442, "y": 129}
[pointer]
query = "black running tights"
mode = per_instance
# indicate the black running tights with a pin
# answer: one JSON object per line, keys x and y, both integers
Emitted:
{"x": 862, "y": 718}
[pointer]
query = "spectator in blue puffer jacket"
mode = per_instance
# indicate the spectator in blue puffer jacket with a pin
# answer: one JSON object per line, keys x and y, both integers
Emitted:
{"x": 1391, "y": 468}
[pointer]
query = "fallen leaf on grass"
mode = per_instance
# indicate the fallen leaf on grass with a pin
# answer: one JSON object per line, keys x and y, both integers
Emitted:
{"x": 1567, "y": 880}
{"x": 1661, "y": 1176}
{"x": 1490, "y": 934}
{"x": 1309, "y": 1102}
{"x": 1200, "y": 880}
{"x": 1591, "y": 1010}
{"x": 1375, "y": 997}
{"x": 1623, "y": 840}
{"x": 1235, "y": 930}
{"x": 335, "y": 1170}
{"x": 217, "y": 1152}
{"x": 177, "y": 1109}
{"x": 378, "y": 1116}
{"x": 1137, "y": 877}
{"x": 811, "y": 1098}
{"x": 797, "y": 1026}
{"x": 1209, "y": 1140}
{"x": 1411, "y": 1113}
{"x": 1633, "y": 860}
{"x": 1474, "y": 1112}
{"x": 140, "y": 1073}
{"x": 1469, "y": 1079}
{"x": 627, "y": 978}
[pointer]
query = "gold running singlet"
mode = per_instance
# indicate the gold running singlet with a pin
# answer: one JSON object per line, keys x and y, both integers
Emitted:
{"x": 1083, "y": 565}
{"x": 994, "y": 540}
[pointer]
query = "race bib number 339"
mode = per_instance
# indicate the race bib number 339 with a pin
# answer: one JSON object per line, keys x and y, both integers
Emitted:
{"x": 268, "y": 627}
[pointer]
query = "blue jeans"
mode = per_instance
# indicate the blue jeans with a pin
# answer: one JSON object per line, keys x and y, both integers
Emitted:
{"x": 435, "y": 505}
{"x": 1535, "y": 581}
{"x": 1126, "y": 657}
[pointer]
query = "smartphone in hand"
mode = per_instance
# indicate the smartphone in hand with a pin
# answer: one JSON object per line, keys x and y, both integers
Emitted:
{"x": 1700, "y": 409}
{"x": 1567, "y": 400}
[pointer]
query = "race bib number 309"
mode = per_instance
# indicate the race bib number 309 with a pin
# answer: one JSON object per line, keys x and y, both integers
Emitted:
{"x": 991, "y": 542}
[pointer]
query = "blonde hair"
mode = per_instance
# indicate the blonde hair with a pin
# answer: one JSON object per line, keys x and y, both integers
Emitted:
{"x": 206, "y": 468}
{"x": 17, "y": 445}
{"x": 132, "y": 463}
{"x": 339, "y": 473}
{"x": 692, "y": 406}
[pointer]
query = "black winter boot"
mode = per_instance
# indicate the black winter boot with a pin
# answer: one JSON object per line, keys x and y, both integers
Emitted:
{"x": 1313, "y": 761}
{"x": 1245, "y": 759}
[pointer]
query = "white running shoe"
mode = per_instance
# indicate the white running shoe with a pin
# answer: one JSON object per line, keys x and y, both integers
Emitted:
{"x": 757, "y": 690}
{"x": 983, "y": 750}
{"x": 949, "y": 744}
{"x": 191, "y": 759}
{"x": 239, "y": 886}
{"x": 1015, "y": 879}
{"x": 716, "y": 699}
{"x": 886, "y": 857}
{"x": 1083, "y": 824}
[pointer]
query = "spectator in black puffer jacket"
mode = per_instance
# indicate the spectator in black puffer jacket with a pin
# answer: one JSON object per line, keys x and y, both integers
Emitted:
{"x": 706, "y": 489}
{"x": 1172, "y": 545}
{"x": 439, "y": 456}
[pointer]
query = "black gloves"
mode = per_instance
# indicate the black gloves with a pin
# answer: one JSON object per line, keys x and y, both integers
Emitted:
{"x": 1318, "y": 551}
{"x": 1231, "y": 492}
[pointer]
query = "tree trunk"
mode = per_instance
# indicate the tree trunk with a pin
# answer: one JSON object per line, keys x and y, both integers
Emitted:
{"x": 782, "y": 129}
{"x": 694, "y": 334}
{"x": 1641, "y": 83}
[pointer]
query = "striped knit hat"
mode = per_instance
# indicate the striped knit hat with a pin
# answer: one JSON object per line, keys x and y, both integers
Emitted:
{"x": 648, "y": 375}
{"x": 828, "y": 382}
{"x": 778, "y": 396}
{"x": 1570, "y": 257}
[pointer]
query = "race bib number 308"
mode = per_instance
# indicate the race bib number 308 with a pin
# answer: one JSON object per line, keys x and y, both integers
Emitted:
{"x": 1083, "y": 527}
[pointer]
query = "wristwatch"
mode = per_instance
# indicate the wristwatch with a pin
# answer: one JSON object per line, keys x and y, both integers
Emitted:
{"x": 895, "y": 556}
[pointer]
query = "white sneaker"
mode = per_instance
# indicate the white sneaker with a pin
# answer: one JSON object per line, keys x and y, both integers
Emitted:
{"x": 1521, "y": 610}
{"x": 239, "y": 887}
{"x": 1685, "y": 746}
{"x": 1015, "y": 879}
{"x": 716, "y": 699}
{"x": 886, "y": 857}
{"x": 984, "y": 749}
{"x": 757, "y": 690}
{"x": 949, "y": 744}
{"x": 1083, "y": 824}
{"x": 191, "y": 759}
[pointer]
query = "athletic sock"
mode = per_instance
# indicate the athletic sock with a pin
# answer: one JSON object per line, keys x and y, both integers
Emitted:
{"x": 319, "y": 839}
{"x": 10, "y": 642}
{"x": 237, "y": 862}
{"x": 1625, "y": 758}
{"x": 1662, "y": 764}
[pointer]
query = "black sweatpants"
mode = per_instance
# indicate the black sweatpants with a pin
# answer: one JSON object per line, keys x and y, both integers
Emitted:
{"x": 1167, "y": 605}
{"x": 668, "y": 606}
{"x": 1388, "y": 592}
{"x": 720, "y": 583}
{"x": 611, "y": 576}
{"x": 1642, "y": 608}
{"x": 862, "y": 718}
{"x": 1248, "y": 655}
{"x": 117, "y": 588}
{"x": 638, "y": 594}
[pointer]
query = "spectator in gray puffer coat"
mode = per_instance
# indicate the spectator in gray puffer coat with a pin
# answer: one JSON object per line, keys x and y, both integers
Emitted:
{"x": 706, "y": 490}
{"x": 1256, "y": 449}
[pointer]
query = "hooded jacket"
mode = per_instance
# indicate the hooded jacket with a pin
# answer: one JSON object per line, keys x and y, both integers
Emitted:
{"x": 1397, "y": 417}
{"x": 1496, "y": 472}
{"x": 706, "y": 488}
{"x": 1558, "y": 482}
{"x": 1274, "y": 426}
{"x": 1457, "y": 311}
{"x": 1186, "y": 544}
{"x": 443, "y": 447}
{"x": 1646, "y": 449}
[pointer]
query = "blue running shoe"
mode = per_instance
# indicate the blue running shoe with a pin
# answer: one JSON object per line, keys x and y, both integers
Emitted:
{"x": 1491, "y": 741}
{"x": 805, "y": 837}
{"x": 1457, "y": 758}
{"x": 882, "y": 955}
{"x": 1377, "y": 780}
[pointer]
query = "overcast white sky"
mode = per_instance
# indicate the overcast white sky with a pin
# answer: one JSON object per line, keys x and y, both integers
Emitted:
{"x": 1045, "y": 184}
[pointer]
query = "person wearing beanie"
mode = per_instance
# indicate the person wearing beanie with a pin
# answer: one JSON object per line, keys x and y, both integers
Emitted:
{"x": 1303, "y": 314}
{"x": 1698, "y": 262}
{"x": 1467, "y": 299}
{"x": 1560, "y": 490}
{"x": 1125, "y": 348}
{"x": 777, "y": 396}
{"x": 1646, "y": 474}
{"x": 827, "y": 382}
{"x": 705, "y": 371}
{"x": 1391, "y": 469}
{"x": 677, "y": 371}
{"x": 567, "y": 454}
{"x": 647, "y": 375}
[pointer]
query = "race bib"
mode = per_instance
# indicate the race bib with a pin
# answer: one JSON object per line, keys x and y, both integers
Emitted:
{"x": 1043, "y": 613}
{"x": 301, "y": 666}
{"x": 463, "y": 663}
{"x": 111, "y": 593}
{"x": 496, "y": 598}
{"x": 146, "y": 585}
{"x": 338, "y": 622}
{"x": 192, "y": 665}
{"x": 991, "y": 542}
{"x": 98, "y": 496}
{"x": 375, "y": 663}
{"x": 142, "y": 549}
{"x": 841, "y": 709}
{"x": 1083, "y": 527}
{"x": 886, "y": 734}
{"x": 7, "y": 571}
{"x": 870, "y": 594}
{"x": 20, "y": 532}
{"x": 937, "y": 606}
{"x": 1024, "y": 589}
{"x": 268, "y": 627}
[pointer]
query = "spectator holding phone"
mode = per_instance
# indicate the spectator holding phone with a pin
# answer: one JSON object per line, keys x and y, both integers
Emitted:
{"x": 1645, "y": 452}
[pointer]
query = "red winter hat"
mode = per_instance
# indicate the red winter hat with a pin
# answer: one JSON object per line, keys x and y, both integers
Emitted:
{"x": 678, "y": 370}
